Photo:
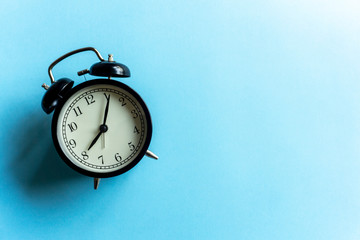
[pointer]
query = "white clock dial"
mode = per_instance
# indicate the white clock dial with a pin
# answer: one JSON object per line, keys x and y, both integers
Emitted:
{"x": 85, "y": 144}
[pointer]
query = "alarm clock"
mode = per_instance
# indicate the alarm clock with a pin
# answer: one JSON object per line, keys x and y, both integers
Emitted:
{"x": 100, "y": 128}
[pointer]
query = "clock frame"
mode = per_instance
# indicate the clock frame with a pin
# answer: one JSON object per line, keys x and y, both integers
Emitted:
{"x": 147, "y": 119}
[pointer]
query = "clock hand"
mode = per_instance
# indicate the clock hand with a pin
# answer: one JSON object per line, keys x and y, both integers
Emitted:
{"x": 105, "y": 117}
{"x": 95, "y": 139}
{"x": 103, "y": 141}
{"x": 103, "y": 129}
{"x": 106, "y": 109}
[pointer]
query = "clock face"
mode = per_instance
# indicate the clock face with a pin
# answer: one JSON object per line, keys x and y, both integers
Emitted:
{"x": 102, "y": 128}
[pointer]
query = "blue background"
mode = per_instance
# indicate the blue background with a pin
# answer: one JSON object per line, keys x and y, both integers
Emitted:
{"x": 255, "y": 106}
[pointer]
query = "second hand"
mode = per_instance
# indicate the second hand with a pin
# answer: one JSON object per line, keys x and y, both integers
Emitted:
{"x": 103, "y": 140}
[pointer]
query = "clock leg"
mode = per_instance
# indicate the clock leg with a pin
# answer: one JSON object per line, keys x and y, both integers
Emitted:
{"x": 96, "y": 183}
{"x": 151, "y": 155}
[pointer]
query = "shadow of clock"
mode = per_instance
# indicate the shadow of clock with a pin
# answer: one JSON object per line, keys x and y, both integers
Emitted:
{"x": 36, "y": 164}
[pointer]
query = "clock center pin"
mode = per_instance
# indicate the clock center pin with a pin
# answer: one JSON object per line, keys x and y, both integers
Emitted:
{"x": 103, "y": 128}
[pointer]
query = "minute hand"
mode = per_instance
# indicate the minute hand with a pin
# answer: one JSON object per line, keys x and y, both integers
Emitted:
{"x": 106, "y": 109}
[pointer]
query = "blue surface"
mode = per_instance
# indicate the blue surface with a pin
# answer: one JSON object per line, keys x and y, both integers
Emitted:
{"x": 256, "y": 118}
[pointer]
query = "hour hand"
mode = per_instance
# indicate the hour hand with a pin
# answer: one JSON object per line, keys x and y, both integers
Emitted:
{"x": 95, "y": 139}
{"x": 103, "y": 128}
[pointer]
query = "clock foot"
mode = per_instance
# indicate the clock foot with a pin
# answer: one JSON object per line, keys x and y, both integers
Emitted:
{"x": 96, "y": 183}
{"x": 151, "y": 155}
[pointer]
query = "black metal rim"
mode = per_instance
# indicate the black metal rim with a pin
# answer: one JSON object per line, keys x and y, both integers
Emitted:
{"x": 141, "y": 152}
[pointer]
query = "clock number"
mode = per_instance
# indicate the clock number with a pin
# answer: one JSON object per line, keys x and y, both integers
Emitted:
{"x": 131, "y": 146}
{"x": 101, "y": 158}
{"x": 89, "y": 99}
{"x": 134, "y": 113}
{"x": 84, "y": 155}
{"x": 122, "y": 100}
{"x": 72, "y": 126}
{"x": 117, "y": 157}
{"x": 136, "y": 130}
{"x": 72, "y": 143}
{"x": 77, "y": 111}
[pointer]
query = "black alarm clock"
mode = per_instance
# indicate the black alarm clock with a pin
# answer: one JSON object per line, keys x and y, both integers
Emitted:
{"x": 100, "y": 128}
